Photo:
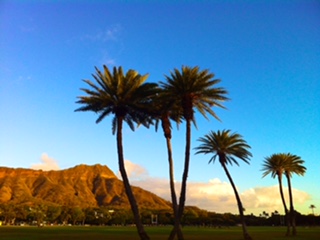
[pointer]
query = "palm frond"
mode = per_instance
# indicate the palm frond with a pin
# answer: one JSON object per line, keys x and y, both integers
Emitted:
{"x": 192, "y": 88}
{"x": 280, "y": 163}
{"x": 114, "y": 125}
{"x": 226, "y": 145}
{"x": 105, "y": 113}
{"x": 126, "y": 95}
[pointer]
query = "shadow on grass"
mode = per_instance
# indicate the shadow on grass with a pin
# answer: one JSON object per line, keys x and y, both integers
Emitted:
{"x": 155, "y": 233}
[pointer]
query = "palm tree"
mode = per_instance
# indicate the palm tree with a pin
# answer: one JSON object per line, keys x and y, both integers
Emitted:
{"x": 312, "y": 207}
{"x": 227, "y": 147}
{"x": 275, "y": 165}
{"x": 294, "y": 165}
{"x": 127, "y": 96}
{"x": 189, "y": 89}
{"x": 163, "y": 111}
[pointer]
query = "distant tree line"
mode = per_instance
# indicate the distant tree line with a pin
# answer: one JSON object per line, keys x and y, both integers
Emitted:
{"x": 40, "y": 215}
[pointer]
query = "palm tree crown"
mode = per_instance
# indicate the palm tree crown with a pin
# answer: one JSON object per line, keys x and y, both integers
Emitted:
{"x": 274, "y": 165}
{"x": 163, "y": 110}
{"x": 226, "y": 145}
{"x": 283, "y": 163}
{"x": 125, "y": 95}
{"x": 192, "y": 88}
{"x": 294, "y": 165}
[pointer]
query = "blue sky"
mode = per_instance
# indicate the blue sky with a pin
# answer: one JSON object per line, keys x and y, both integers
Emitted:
{"x": 266, "y": 53}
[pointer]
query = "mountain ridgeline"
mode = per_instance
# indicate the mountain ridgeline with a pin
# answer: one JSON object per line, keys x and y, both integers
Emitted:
{"x": 82, "y": 185}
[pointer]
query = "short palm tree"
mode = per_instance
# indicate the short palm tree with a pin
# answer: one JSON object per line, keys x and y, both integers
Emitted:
{"x": 191, "y": 89}
{"x": 294, "y": 165}
{"x": 227, "y": 147}
{"x": 127, "y": 97}
{"x": 275, "y": 165}
{"x": 312, "y": 207}
{"x": 287, "y": 164}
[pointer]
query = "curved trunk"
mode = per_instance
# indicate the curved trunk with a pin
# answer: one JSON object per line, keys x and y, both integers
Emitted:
{"x": 134, "y": 207}
{"x": 167, "y": 133}
{"x": 240, "y": 207}
{"x": 182, "y": 199}
{"x": 177, "y": 225}
{"x": 292, "y": 213}
{"x": 284, "y": 204}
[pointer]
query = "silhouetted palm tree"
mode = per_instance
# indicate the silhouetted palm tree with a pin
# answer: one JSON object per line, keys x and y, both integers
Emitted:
{"x": 227, "y": 147}
{"x": 127, "y": 97}
{"x": 275, "y": 165}
{"x": 312, "y": 207}
{"x": 191, "y": 89}
{"x": 165, "y": 111}
{"x": 294, "y": 165}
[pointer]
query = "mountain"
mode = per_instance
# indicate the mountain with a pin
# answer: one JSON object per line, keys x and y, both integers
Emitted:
{"x": 82, "y": 185}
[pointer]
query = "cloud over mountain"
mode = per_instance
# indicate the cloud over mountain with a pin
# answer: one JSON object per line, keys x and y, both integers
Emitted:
{"x": 47, "y": 163}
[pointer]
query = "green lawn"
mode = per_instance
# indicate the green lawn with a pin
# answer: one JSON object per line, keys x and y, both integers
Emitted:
{"x": 155, "y": 233}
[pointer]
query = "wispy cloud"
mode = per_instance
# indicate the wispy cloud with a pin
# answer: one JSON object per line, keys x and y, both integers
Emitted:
{"x": 47, "y": 163}
{"x": 106, "y": 59}
{"x": 110, "y": 43}
{"x": 215, "y": 195}
{"x": 28, "y": 25}
{"x": 27, "y": 29}
{"x": 24, "y": 78}
{"x": 109, "y": 34}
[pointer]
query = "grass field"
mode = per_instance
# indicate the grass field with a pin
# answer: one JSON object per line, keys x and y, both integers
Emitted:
{"x": 155, "y": 233}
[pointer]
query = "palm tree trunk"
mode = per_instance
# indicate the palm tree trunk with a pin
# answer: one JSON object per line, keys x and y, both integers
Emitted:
{"x": 292, "y": 213}
{"x": 177, "y": 228}
{"x": 134, "y": 207}
{"x": 182, "y": 198}
{"x": 284, "y": 204}
{"x": 167, "y": 133}
{"x": 240, "y": 207}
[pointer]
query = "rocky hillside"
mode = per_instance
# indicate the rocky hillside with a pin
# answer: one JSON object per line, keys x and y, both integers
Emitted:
{"x": 82, "y": 186}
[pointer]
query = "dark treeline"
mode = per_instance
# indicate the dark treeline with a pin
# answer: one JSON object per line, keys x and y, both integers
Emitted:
{"x": 42, "y": 214}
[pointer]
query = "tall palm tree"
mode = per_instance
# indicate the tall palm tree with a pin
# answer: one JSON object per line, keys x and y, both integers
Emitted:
{"x": 294, "y": 165}
{"x": 191, "y": 89}
{"x": 127, "y": 97}
{"x": 275, "y": 165}
{"x": 227, "y": 147}
{"x": 164, "y": 111}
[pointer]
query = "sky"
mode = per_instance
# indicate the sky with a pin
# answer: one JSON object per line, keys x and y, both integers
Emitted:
{"x": 266, "y": 53}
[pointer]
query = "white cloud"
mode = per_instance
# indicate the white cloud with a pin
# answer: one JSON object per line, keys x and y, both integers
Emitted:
{"x": 216, "y": 195}
{"x": 47, "y": 163}
{"x": 268, "y": 198}
{"x": 134, "y": 171}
